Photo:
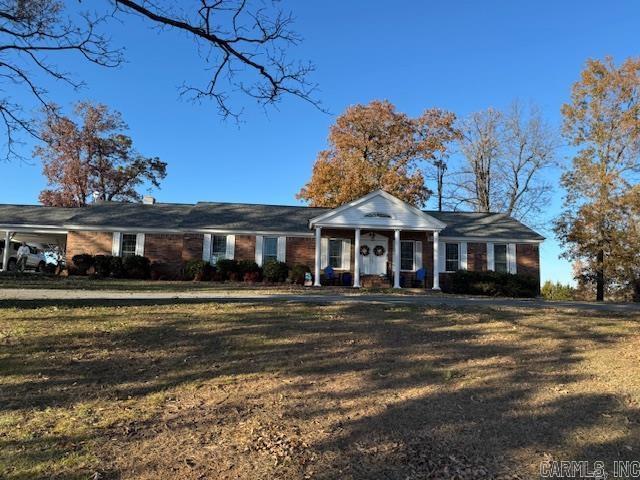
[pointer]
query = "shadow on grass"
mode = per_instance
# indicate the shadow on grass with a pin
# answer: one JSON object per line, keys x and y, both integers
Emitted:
{"x": 480, "y": 395}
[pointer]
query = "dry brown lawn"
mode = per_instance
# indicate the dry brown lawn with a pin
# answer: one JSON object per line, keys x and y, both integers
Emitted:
{"x": 201, "y": 390}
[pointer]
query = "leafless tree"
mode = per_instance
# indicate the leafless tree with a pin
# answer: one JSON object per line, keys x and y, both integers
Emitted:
{"x": 506, "y": 156}
{"x": 480, "y": 144}
{"x": 529, "y": 145}
{"x": 243, "y": 48}
{"x": 32, "y": 34}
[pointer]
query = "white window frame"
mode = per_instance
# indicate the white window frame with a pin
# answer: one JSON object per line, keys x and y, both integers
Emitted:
{"x": 506, "y": 257}
{"x": 116, "y": 246}
{"x": 413, "y": 248}
{"x": 342, "y": 245}
{"x": 214, "y": 258}
{"x": 444, "y": 253}
{"x": 264, "y": 248}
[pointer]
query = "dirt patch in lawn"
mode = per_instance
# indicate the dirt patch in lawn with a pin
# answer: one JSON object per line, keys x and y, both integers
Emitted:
{"x": 288, "y": 391}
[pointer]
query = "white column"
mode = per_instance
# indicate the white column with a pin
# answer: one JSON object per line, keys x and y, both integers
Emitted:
{"x": 356, "y": 260}
{"x": 490, "y": 258}
{"x": 316, "y": 282}
{"x": 396, "y": 259}
{"x": 5, "y": 254}
{"x": 436, "y": 262}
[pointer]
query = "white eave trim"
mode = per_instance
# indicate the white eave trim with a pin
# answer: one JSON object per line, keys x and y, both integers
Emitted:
{"x": 64, "y": 229}
{"x": 320, "y": 220}
{"x": 266, "y": 233}
{"x": 489, "y": 240}
{"x": 364, "y": 226}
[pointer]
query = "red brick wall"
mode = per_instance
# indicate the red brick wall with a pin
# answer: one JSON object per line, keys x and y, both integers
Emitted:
{"x": 245, "y": 247}
{"x": 477, "y": 257}
{"x": 528, "y": 259}
{"x": 163, "y": 248}
{"x": 192, "y": 246}
{"x": 301, "y": 250}
{"x": 93, "y": 243}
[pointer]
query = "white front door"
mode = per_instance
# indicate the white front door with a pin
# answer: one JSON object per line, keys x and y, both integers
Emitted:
{"x": 373, "y": 264}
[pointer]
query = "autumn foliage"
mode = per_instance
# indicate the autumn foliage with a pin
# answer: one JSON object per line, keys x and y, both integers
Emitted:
{"x": 376, "y": 147}
{"x": 92, "y": 157}
{"x": 599, "y": 224}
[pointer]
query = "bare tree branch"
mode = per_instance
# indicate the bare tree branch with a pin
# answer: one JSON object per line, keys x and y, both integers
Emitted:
{"x": 250, "y": 48}
{"x": 31, "y": 33}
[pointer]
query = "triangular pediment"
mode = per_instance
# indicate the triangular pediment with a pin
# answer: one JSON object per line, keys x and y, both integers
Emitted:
{"x": 378, "y": 209}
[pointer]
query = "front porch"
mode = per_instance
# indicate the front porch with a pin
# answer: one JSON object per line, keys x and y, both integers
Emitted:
{"x": 384, "y": 235}
{"x": 366, "y": 257}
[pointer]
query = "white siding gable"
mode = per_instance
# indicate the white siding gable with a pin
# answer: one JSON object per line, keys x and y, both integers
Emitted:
{"x": 378, "y": 210}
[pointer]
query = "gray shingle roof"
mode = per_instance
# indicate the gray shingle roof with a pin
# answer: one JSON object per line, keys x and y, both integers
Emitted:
{"x": 238, "y": 216}
{"x": 35, "y": 215}
{"x": 483, "y": 225}
{"x": 243, "y": 216}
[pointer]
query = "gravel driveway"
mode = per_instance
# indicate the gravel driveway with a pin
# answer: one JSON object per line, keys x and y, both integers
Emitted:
{"x": 26, "y": 294}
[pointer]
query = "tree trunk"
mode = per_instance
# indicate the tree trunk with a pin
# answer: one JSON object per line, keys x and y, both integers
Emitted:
{"x": 600, "y": 276}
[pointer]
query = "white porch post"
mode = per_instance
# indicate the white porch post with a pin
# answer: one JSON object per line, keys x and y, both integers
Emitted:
{"x": 396, "y": 259}
{"x": 5, "y": 254}
{"x": 436, "y": 262}
{"x": 356, "y": 260}
{"x": 316, "y": 282}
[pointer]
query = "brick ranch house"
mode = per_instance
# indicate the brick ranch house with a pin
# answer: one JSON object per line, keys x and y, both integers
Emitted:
{"x": 375, "y": 237}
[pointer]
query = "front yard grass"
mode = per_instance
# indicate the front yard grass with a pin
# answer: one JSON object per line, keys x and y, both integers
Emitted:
{"x": 200, "y": 390}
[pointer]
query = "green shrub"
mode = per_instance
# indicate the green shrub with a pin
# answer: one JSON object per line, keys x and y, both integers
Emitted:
{"x": 197, "y": 270}
{"x": 275, "y": 271}
{"x": 102, "y": 265}
{"x": 116, "y": 270}
{"x": 136, "y": 266}
{"x": 82, "y": 263}
{"x": 557, "y": 291}
{"x": 249, "y": 271}
{"x": 227, "y": 269}
{"x": 491, "y": 283}
{"x": 297, "y": 273}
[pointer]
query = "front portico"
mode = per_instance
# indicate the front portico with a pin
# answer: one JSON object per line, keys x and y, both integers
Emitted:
{"x": 388, "y": 235}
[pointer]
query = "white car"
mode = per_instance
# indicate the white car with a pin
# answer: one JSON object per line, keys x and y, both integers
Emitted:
{"x": 35, "y": 260}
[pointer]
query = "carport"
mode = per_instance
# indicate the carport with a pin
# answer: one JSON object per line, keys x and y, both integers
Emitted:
{"x": 48, "y": 237}
{"x": 32, "y": 224}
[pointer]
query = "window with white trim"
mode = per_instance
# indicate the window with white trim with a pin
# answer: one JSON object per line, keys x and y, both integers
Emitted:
{"x": 269, "y": 249}
{"x": 335, "y": 253}
{"x": 500, "y": 262}
{"x": 128, "y": 244}
{"x": 452, "y": 257}
{"x": 407, "y": 255}
{"x": 218, "y": 248}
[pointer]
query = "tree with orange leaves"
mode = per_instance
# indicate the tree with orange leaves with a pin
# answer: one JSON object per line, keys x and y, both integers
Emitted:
{"x": 376, "y": 147}
{"x": 92, "y": 158}
{"x": 599, "y": 224}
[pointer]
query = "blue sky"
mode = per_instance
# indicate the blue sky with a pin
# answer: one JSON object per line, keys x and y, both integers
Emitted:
{"x": 461, "y": 56}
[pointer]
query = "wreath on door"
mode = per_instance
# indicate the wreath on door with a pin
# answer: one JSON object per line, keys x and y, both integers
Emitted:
{"x": 378, "y": 250}
{"x": 364, "y": 250}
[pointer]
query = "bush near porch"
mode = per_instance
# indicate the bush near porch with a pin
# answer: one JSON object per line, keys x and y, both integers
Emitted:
{"x": 490, "y": 283}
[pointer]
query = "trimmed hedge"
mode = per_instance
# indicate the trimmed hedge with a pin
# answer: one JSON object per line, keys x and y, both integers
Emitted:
{"x": 197, "y": 270}
{"x": 227, "y": 269}
{"x": 136, "y": 266}
{"x": 275, "y": 271}
{"x": 82, "y": 263}
{"x": 102, "y": 265}
{"x": 297, "y": 273}
{"x": 116, "y": 269}
{"x": 249, "y": 271}
{"x": 492, "y": 284}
